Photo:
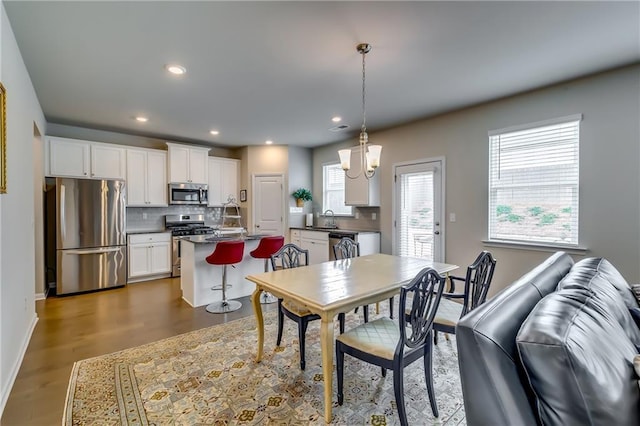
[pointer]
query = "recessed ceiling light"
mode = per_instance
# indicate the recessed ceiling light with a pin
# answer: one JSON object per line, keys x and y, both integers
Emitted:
{"x": 142, "y": 119}
{"x": 336, "y": 119}
{"x": 214, "y": 132}
{"x": 176, "y": 69}
{"x": 268, "y": 142}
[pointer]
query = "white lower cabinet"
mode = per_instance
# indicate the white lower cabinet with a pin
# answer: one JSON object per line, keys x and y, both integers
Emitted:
{"x": 294, "y": 237}
{"x": 149, "y": 255}
{"x": 317, "y": 243}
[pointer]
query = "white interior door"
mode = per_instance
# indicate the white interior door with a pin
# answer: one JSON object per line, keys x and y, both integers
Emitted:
{"x": 418, "y": 200}
{"x": 268, "y": 204}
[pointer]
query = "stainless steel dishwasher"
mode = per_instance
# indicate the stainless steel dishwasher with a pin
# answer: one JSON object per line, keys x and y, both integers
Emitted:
{"x": 335, "y": 237}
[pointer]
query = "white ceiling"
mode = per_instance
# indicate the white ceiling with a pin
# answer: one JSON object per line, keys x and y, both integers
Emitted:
{"x": 281, "y": 70}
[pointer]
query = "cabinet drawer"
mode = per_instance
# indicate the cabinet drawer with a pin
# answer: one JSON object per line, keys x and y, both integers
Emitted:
{"x": 314, "y": 235}
{"x": 150, "y": 238}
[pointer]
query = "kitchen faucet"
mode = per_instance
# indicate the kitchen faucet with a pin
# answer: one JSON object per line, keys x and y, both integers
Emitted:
{"x": 330, "y": 223}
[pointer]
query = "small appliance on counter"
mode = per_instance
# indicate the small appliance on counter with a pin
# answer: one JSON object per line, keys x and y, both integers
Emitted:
{"x": 182, "y": 225}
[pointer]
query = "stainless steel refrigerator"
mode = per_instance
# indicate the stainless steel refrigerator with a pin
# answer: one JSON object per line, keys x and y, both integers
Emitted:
{"x": 91, "y": 251}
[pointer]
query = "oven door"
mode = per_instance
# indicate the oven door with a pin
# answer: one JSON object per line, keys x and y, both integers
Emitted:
{"x": 175, "y": 257}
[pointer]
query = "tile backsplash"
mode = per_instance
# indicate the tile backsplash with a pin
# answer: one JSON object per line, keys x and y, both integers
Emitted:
{"x": 152, "y": 218}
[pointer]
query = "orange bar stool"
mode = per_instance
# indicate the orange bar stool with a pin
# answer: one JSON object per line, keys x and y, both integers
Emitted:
{"x": 225, "y": 253}
{"x": 267, "y": 247}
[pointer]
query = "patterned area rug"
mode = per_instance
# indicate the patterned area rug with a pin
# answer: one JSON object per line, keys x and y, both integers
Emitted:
{"x": 209, "y": 377}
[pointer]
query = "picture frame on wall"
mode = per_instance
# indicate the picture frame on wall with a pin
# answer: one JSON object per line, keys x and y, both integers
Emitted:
{"x": 3, "y": 140}
{"x": 243, "y": 195}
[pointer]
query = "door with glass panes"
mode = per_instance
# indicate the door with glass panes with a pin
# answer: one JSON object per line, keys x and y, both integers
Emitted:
{"x": 418, "y": 228}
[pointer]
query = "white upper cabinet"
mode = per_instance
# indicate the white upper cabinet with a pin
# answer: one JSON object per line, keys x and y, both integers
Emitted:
{"x": 188, "y": 164}
{"x": 146, "y": 178}
{"x": 361, "y": 191}
{"x": 223, "y": 180}
{"x": 85, "y": 159}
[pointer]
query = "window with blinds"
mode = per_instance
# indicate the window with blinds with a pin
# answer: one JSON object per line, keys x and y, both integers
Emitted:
{"x": 415, "y": 214}
{"x": 333, "y": 190}
{"x": 533, "y": 183}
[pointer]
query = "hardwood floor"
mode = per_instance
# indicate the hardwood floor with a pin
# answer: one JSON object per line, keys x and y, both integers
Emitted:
{"x": 76, "y": 327}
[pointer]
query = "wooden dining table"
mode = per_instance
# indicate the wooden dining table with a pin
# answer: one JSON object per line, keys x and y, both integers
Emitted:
{"x": 334, "y": 287}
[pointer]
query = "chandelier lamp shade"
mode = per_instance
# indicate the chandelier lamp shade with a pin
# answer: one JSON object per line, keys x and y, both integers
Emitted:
{"x": 369, "y": 154}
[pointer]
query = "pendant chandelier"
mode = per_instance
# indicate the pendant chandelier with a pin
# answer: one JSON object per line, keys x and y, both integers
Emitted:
{"x": 369, "y": 154}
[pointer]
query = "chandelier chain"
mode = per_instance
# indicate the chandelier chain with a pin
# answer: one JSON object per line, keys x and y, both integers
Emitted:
{"x": 364, "y": 111}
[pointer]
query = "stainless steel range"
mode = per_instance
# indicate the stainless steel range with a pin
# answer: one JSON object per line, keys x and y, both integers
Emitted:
{"x": 182, "y": 225}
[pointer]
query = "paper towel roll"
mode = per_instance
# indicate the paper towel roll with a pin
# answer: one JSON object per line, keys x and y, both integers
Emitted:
{"x": 309, "y": 219}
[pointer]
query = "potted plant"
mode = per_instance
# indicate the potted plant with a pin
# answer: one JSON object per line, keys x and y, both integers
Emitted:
{"x": 301, "y": 195}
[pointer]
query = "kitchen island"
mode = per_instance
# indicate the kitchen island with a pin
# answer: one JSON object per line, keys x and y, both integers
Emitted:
{"x": 198, "y": 276}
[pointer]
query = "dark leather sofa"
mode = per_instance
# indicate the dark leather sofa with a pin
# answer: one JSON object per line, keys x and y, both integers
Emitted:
{"x": 555, "y": 348}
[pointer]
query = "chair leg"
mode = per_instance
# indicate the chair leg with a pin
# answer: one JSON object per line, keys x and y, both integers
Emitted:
{"x": 280, "y": 323}
{"x": 398, "y": 390}
{"x": 340, "y": 373}
{"x": 435, "y": 337}
{"x": 302, "y": 329}
{"x": 341, "y": 320}
{"x": 384, "y": 372}
{"x": 365, "y": 310}
{"x": 428, "y": 375}
{"x": 391, "y": 308}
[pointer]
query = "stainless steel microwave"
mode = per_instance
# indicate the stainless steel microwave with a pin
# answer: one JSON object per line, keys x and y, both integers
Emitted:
{"x": 188, "y": 193}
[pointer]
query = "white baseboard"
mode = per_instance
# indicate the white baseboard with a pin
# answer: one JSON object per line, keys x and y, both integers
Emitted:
{"x": 40, "y": 296}
{"x": 4, "y": 396}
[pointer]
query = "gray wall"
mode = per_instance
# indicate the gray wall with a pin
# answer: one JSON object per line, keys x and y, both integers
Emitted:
{"x": 300, "y": 176}
{"x": 609, "y": 169}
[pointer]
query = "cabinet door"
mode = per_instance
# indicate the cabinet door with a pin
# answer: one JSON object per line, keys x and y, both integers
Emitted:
{"x": 198, "y": 166}
{"x": 229, "y": 179}
{"x": 157, "y": 178}
{"x": 361, "y": 191}
{"x": 318, "y": 250}
{"x": 178, "y": 164}
{"x": 215, "y": 182}
{"x": 136, "y": 178}
{"x": 69, "y": 158}
{"x": 139, "y": 264}
{"x": 107, "y": 162}
{"x": 160, "y": 256}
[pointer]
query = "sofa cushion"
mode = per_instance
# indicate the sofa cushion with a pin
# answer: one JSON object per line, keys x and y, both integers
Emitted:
{"x": 579, "y": 361}
{"x": 600, "y": 277}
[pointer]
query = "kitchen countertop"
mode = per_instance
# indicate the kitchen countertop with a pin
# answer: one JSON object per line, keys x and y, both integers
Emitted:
{"x": 336, "y": 230}
{"x": 146, "y": 231}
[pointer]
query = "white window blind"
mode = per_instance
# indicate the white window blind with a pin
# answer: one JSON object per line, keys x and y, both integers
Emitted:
{"x": 533, "y": 183}
{"x": 416, "y": 214}
{"x": 333, "y": 190}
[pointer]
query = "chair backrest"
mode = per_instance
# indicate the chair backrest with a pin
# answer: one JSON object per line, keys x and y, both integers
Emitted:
{"x": 346, "y": 248}
{"x": 424, "y": 293}
{"x": 289, "y": 256}
{"x": 226, "y": 253}
{"x": 477, "y": 281}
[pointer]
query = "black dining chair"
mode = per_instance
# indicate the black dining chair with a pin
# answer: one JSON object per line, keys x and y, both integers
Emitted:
{"x": 476, "y": 287}
{"x": 292, "y": 256}
{"x": 347, "y": 248}
{"x": 392, "y": 345}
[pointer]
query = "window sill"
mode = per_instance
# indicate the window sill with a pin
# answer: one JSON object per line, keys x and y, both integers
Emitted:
{"x": 536, "y": 246}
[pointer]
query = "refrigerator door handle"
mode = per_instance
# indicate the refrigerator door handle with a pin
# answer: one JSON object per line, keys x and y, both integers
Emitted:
{"x": 92, "y": 251}
{"x": 63, "y": 222}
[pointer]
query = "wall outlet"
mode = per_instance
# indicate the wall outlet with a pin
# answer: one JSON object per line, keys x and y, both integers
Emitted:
{"x": 357, "y": 215}
{"x": 144, "y": 215}
{"x": 452, "y": 217}
{"x": 373, "y": 216}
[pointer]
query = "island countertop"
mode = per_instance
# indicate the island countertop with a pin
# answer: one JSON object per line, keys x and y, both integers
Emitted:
{"x": 212, "y": 239}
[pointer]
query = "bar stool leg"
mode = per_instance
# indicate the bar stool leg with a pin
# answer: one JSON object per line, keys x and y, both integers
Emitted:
{"x": 267, "y": 297}
{"x": 224, "y": 305}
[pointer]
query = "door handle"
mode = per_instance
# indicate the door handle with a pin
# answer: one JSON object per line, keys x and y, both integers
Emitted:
{"x": 93, "y": 251}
